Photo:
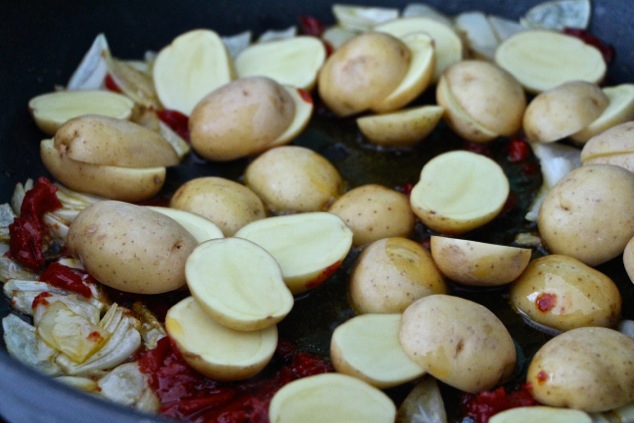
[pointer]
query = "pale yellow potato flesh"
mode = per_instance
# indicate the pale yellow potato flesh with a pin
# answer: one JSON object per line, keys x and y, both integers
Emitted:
{"x": 52, "y": 110}
{"x": 614, "y": 146}
{"x": 303, "y": 112}
{"x": 309, "y": 247}
{"x": 238, "y": 284}
{"x": 113, "y": 182}
{"x": 214, "y": 350}
{"x": 628, "y": 259}
{"x": 201, "y": 228}
{"x": 540, "y": 413}
{"x": 542, "y": 59}
{"x": 620, "y": 110}
{"x": 403, "y": 128}
{"x": 331, "y": 398}
{"x": 192, "y": 66}
{"x": 291, "y": 61}
{"x": 368, "y": 347}
{"x": 459, "y": 191}
{"x": 478, "y": 263}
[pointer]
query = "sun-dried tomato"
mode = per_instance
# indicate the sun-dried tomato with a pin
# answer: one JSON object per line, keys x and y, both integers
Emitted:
{"x": 482, "y": 406}
{"x": 176, "y": 120}
{"x": 111, "y": 85}
{"x": 310, "y": 25}
{"x": 65, "y": 277}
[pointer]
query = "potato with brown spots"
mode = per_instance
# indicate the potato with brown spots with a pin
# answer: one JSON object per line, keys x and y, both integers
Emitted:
{"x": 131, "y": 248}
{"x": 391, "y": 274}
{"x": 374, "y": 212}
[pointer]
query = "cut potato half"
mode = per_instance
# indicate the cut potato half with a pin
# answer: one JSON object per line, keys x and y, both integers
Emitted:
{"x": 614, "y": 146}
{"x": 478, "y": 263}
{"x": 620, "y": 109}
{"x": 215, "y": 350}
{"x": 291, "y": 61}
{"x": 331, "y": 398}
{"x": 238, "y": 284}
{"x": 368, "y": 347}
{"x": 447, "y": 43}
{"x": 541, "y": 413}
{"x": 459, "y": 191}
{"x": 200, "y": 227}
{"x": 541, "y": 59}
{"x": 193, "y": 65}
{"x": 418, "y": 76}
{"x": 113, "y": 182}
{"x": 303, "y": 111}
{"x": 403, "y": 128}
{"x": 52, "y": 110}
{"x": 309, "y": 247}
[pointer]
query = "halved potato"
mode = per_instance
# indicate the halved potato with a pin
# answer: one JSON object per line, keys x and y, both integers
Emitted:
{"x": 214, "y": 350}
{"x": 613, "y": 146}
{"x": 478, "y": 263}
{"x": 447, "y": 44}
{"x": 542, "y": 59}
{"x": 201, "y": 228}
{"x": 192, "y": 66}
{"x": 291, "y": 61}
{"x": 52, "y": 110}
{"x": 368, "y": 347}
{"x": 459, "y": 191}
{"x": 238, "y": 284}
{"x": 332, "y": 398}
{"x": 113, "y": 182}
{"x": 309, "y": 247}
{"x": 303, "y": 111}
{"x": 620, "y": 110}
{"x": 403, "y": 128}
{"x": 541, "y": 413}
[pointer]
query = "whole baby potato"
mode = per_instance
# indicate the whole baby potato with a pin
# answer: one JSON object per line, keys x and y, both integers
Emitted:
{"x": 589, "y": 214}
{"x": 392, "y": 273}
{"x": 588, "y": 369}
{"x": 363, "y": 72}
{"x": 458, "y": 341}
{"x": 374, "y": 212}
{"x": 240, "y": 118}
{"x": 293, "y": 179}
{"x": 229, "y": 204}
{"x": 131, "y": 248}
{"x": 614, "y": 146}
{"x": 561, "y": 292}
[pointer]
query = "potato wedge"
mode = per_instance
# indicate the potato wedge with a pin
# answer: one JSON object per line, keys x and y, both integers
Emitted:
{"x": 201, "y": 228}
{"x": 403, "y": 128}
{"x": 613, "y": 146}
{"x": 620, "y": 110}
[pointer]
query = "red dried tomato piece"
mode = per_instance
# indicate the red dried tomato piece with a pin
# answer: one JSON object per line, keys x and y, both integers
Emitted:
{"x": 111, "y": 85}
{"x": 310, "y": 25}
{"x": 176, "y": 120}
{"x": 482, "y": 406}
{"x": 65, "y": 277}
{"x": 518, "y": 150}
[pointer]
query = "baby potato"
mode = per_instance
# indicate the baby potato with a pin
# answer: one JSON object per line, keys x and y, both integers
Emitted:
{"x": 131, "y": 248}
{"x": 478, "y": 263}
{"x": 458, "y": 341}
{"x": 229, "y": 204}
{"x": 614, "y": 146}
{"x": 589, "y": 369}
{"x": 589, "y": 214}
{"x": 562, "y": 293}
{"x": 374, "y": 212}
{"x": 477, "y": 93}
{"x": 240, "y": 118}
{"x": 563, "y": 111}
{"x": 628, "y": 259}
{"x": 362, "y": 72}
{"x": 392, "y": 273}
{"x": 293, "y": 179}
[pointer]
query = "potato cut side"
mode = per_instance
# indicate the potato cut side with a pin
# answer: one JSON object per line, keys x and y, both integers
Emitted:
{"x": 541, "y": 60}
{"x": 309, "y": 247}
{"x": 192, "y": 66}
{"x": 331, "y": 398}
{"x": 613, "y": 146}
{"x": 541, "y": 413}
{"x": 200, "y": 227}
{"x": 478, "y": 263}
{"x": 303, "y": 112}
{"x": 238, "y": 283}
{"x": 620, "y": 109}
{"x": 459, "y": 191}
{"x": 215, "y": 350}
{"x": 368, "y": 347}
{"x": 52, "y": 110}
{"x": 290, "y": 61}
{"x": 418, "y": 76}
{"x": 403, "y": 128}
{"x": 447, "y": 43}
{"x": 113, "y": 182}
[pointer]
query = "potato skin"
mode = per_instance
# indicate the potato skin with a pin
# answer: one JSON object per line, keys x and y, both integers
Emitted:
{"x": 589, "y": 214}
{"x": 392, "y": 273}
{"x": 374, "y": 212}
{"x": 227, "y": 203}
{"x": 614, "y": 146}
{"x": 563, "y": 293}
{"x": 589, "y": 369}
{"x": 131, "y": 248}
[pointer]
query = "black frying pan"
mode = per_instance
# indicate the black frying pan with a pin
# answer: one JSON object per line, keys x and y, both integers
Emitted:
{"x": 41, "y": 43}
